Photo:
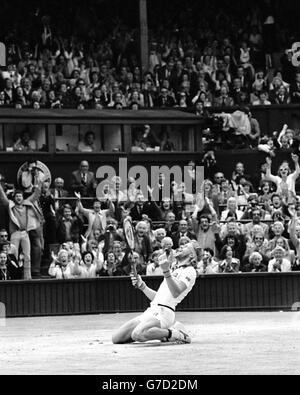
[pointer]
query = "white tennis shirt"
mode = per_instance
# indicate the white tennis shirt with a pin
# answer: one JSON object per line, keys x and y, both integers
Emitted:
{"x": 163, "y": 296}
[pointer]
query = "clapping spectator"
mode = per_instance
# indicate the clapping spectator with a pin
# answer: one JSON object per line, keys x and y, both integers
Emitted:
{"x": 208, "y": 265}
{"x": 88, "y": 267}
{"x": 279, "y": 264}
{"x": 228, "y": 264}
{"x": 256, "y": 264}
{"x": 61, "y": 268}
{"x": 111, "y": 267}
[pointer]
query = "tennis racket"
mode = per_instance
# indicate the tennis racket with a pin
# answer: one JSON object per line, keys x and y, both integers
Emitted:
{"x": 129, "y": 238}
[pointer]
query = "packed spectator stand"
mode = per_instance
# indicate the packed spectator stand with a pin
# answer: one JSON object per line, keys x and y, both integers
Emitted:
{"x": 243, "y": 223}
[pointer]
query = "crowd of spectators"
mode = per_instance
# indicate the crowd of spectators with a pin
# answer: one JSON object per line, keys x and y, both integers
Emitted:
{"x": 220, "y": 56}
{"x": 245, "y": 223}
{"x": 205, "y": 56}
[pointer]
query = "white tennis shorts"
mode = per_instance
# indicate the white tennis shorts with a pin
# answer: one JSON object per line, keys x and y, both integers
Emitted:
{"x": 164, "y": 315}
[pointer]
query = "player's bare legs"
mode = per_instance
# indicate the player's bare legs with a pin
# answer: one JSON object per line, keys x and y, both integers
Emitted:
{"x": 150, "y": 330}
{"x": 123, "y": 334}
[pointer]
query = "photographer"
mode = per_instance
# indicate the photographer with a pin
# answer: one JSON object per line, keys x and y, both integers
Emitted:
{"x": 110, "y": 235}
{"x": 31, "y": 174}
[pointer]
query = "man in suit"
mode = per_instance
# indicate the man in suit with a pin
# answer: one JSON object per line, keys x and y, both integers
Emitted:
{"x": 182, "y": 232}
{"x": 246, "y": 82}
{"x": 165, "y": 71}
{"x": 165, "y": 99}
{"x": 238, "y": 92}
{"x": 149, "y": 94}
{"x": 224, "y": 100}
{"x": 59, "y": 192}
{"x": 144, "y": 207}
{"x": 83, "y": 180}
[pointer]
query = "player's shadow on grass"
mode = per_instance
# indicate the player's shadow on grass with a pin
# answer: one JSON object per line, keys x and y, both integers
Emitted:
{"x": 156, "y": 344}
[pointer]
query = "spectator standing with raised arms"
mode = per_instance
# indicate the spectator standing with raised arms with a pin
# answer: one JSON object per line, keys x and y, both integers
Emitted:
{"x": 24, "y": 216}
{"x": 286, "y": 180}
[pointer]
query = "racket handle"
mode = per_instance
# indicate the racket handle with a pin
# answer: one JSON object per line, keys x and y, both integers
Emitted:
{"x": 134, "y": 272}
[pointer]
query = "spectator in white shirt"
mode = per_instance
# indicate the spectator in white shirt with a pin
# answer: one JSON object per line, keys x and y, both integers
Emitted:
{"x": 61, "y": 268}
{"x": 88, "y": 267}
{"x": 153, "y": 268}
{"x": 286, "y": 180}
{"x": 279, "y": 264}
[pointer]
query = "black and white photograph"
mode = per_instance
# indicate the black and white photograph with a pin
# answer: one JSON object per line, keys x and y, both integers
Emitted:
{"x": 149, "y": 191}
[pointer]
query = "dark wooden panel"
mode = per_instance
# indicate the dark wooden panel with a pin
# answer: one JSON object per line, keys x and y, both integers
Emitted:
{"x": 107, "y": 295}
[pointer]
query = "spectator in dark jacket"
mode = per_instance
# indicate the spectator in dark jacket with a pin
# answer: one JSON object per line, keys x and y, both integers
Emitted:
{"x": 83, "y": 180}
{"x": 69, "y": 227}
{"x": 182, "y": 232}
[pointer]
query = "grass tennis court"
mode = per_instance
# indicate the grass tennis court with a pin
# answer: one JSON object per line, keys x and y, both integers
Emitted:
{"x": 222, "y": 343}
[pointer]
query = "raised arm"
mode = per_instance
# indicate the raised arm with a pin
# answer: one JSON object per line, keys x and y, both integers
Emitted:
{"x": 79, "y": 206}
{"x": 76, "y": 269}
{"x": 110, "y": 211}
{"x": 282, "y": 133}
{"x": 36, "y": 193}
{"x": 292, "y": 230}
{"x": 269, "y": 175}
{"x": 175, "y": 286}
{"x": 195, "y": 222}
{"x": 52, "y": 267}
{"x": 3, "y": 198}
{"x": 296, "y": 173}
{"x": 141, "y": 285}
